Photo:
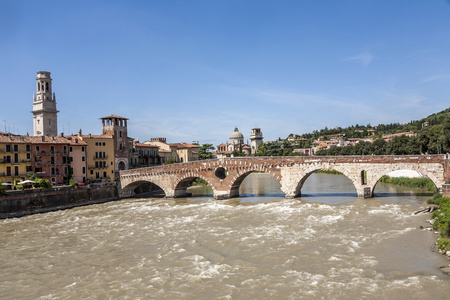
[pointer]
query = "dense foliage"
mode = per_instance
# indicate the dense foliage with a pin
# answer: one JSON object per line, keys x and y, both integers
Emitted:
{"x": 442, "y": 220}
{"x": 422, "y": 182}
{"x": 431, "y": 136}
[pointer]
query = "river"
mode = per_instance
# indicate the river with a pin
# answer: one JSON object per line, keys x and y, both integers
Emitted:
{"x": 327, "y": 244}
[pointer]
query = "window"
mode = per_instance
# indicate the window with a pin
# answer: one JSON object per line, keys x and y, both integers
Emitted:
{"x": 97, "y": 175}
{"x": 28, "y": 147}
{"x": 71, "y": 159}
{"x": 53, "y": 172}
{"x": 53, "y": 179}
{"x": 8, "y": 171}
{"x": 82, "y": 158}
{"x": 66, "y": 171}
{"x": 29, "y": 156}
{"x": 38, "y": 149}
{"x": 104, "y": 174}
{"x": 104, "y": 144}
{"x": 16, "y": 148}
{"x": 8, "y": 148}
{"x": 16, "y": 158}
{"x": 70, "y": 149}
{"x": 29, "y": 169}
{"x": 92, "y": 172}
{"x": 82, "y": 149}
{"x": 84, "y": 170}
{"x": 16, "y": 171}
{"x": 52, "y": 149}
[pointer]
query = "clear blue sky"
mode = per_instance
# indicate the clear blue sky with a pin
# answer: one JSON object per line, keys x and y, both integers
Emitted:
{"x": 193, "y": 70}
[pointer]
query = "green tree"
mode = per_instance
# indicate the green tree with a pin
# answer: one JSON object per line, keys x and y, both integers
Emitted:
{"x": 205, "y": 151}
{"x": 170, "y": 161}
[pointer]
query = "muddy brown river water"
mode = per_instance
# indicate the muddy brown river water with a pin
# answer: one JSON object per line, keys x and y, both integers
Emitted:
{"x": 328, "y": 244}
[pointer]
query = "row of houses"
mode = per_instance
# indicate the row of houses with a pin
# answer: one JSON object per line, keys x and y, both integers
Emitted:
{"x": 85, "y": 157}
{"x": 337, "y": 140}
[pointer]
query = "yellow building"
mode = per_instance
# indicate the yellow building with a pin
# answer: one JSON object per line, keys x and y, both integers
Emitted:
{"x": 186, "y": 152}
{"x": 15, "y": 157}
{"x": 99, "y": 157}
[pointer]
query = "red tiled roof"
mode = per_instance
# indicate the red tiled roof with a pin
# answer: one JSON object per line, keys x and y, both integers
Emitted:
{"x": 114, "y": 116}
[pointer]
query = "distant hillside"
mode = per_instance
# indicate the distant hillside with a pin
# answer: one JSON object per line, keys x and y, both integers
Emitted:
{"x": 361, "y": 131}
{"x": 429, "y": 135}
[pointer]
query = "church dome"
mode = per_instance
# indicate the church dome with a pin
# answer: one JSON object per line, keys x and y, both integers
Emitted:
{"x": 236, "y": 134}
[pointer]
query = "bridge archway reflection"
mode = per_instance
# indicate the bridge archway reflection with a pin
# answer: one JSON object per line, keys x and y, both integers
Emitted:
{"x": 143, "y": 187}
{"x": 317, "y": 183}
{"x": 257, "y": 183}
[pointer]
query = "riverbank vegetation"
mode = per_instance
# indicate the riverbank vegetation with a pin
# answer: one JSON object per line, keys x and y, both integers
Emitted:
{"x": 333, "y": 172}
{"x": 441, "y": 218}
{"x": 422, "y": 183}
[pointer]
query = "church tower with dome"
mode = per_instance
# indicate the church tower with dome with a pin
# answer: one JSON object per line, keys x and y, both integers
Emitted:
{"x": 235, "y": 143}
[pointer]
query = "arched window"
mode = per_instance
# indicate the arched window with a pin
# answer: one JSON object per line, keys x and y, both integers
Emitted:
{"x": 46, "y": 86}
{"x": 39, "y": 87}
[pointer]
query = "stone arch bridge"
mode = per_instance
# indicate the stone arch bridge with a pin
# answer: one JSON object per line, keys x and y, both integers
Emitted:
{"x": 226, "y": 175}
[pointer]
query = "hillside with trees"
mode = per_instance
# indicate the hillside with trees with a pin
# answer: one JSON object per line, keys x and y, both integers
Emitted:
{"x": 429, "y": 135}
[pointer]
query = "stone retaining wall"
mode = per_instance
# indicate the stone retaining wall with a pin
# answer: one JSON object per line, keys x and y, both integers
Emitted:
{"x": 20, "y": 203}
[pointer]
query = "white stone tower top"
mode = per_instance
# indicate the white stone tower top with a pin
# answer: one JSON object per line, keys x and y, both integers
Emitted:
{"x": 256, "y": 138}
{"x": 45, "y": 119}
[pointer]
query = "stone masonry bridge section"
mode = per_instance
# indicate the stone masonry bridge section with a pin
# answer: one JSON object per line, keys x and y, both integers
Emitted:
{"x": 226, "y": 175}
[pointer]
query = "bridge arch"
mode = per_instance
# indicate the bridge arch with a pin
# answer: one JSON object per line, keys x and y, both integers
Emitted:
{"x": 180, "y": 186}
{"x": 130, "y": 189}
{"x": 309, "y": 170}
{"x": 240, "y": 177}
{"x": 419, "y": 169}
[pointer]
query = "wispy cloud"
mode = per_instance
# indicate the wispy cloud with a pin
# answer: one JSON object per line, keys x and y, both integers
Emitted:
{"x": 364, "y": 58}
{"x": 435, "y": 78}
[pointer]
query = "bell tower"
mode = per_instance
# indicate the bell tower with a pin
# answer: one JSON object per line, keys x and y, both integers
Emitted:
{"x": 45, "y": 119}
{"x": 256, "y": 138}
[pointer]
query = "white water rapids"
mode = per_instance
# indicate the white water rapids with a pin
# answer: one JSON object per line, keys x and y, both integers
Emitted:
{"x": 328, "y": 244}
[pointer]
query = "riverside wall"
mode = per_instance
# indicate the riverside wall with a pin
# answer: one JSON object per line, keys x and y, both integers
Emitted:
{"x": 20, "y": 203}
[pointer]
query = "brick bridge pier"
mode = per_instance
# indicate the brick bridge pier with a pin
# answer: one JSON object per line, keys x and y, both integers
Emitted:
{"x": 226, "y": 175}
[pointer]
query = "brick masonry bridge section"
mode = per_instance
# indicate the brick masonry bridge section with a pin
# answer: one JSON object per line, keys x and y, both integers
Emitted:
{"x": 226, "y": 175}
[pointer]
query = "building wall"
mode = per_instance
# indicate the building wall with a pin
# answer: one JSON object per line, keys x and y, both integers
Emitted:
{"x": 51, "y": 161}
{"x": 15, "y": 159}
{"x": 100, "y": 158}
{"x": 78, "y": 162}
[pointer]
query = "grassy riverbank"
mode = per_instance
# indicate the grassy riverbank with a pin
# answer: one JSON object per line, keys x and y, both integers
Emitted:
{"x": 421, "y": 183}
{"x": 442, "y": 220}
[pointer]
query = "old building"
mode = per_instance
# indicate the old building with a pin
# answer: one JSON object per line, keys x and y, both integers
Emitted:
{"x": 100, "y": 157}
{"x": 186, "y": 152}
{"x": 256, "y": 138}
{"x": 116, "y": 127}
{"x": 15, "y": 158}
{"x": 236, "y": 143}
{"x": 147, "y": 155}
{"x": 45, "y": 119}
{"x": 78, "y": 158}
{"x": 50, "y": 158}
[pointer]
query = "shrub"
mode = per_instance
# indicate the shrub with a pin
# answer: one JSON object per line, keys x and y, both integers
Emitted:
{"x": 72, "y": 182}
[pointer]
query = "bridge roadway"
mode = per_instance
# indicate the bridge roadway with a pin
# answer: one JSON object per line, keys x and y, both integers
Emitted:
{"x": 226, "y": 175}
